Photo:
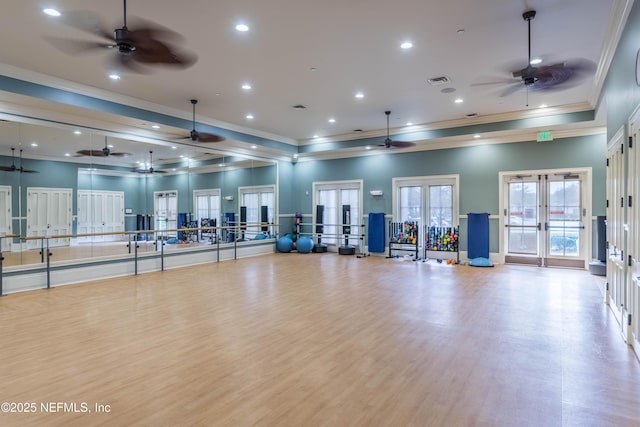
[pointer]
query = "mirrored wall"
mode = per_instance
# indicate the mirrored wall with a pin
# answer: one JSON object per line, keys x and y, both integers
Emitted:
{"x": 87, "y": 195}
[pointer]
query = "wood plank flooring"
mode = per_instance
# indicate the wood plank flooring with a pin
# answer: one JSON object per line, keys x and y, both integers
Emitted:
{"x": 321, "y": 340}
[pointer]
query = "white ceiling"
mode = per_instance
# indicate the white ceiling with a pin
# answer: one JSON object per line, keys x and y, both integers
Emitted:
{"x": 318, "y": 54}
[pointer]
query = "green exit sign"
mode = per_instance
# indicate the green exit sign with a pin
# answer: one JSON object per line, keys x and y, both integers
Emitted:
{"x": 545, "y": 136}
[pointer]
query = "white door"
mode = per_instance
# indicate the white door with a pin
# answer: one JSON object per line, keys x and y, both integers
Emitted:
{"x": 616, "y": 267}
{"x": 48, "y": 214}
{"x": 100, "y": 212}
{"x": 5, "y": 216}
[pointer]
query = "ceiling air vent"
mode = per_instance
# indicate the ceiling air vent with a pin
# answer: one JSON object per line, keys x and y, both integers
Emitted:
{"x": 436, "y": 81}
{"x": 299, "y": 107}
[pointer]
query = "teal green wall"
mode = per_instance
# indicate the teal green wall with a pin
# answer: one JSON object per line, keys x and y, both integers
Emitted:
{"x": 620, "y": 90}
{"x": 477, "y": 166}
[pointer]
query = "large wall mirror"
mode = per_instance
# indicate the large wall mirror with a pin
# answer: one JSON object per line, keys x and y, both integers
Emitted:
{"x": 87, "y": 194}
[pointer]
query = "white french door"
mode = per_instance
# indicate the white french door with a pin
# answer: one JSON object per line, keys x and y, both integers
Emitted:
{"x": 166, "y": 211}
{"x": 5, "y": 216}
{"x": 342, "y": 203}
{"x": 100, "y": 212}
{"x": 547, "y": 218}
{"x": 48, "y": 214}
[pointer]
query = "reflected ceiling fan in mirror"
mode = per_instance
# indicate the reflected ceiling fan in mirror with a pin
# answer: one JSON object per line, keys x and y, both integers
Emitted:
{"x": 148, "y": 44}
{"x": 149, "y": 169}
{"x": 388, "y": 143}
{"x": 555, "y": 77}
{"x": 105, "y": 152}
{"x": 196, "y": 136}
{"x": 13, "y": 167}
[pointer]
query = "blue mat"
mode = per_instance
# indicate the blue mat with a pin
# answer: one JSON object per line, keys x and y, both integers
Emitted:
{"x": 376, "y": 232}
{"x": 478, "y": 235}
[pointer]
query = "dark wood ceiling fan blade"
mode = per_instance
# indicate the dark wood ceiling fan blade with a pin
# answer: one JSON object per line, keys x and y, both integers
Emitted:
{"x": 28, "y": 171}
{"x": 401, "y": 144}
{"x": 78, "y": 47}
{"x": 91, "y": 153}
{"x": 8, "y": 168}
{"x": 209, "y": 137}
{"x": 87, "y": 21}
{"x": 120, "y": 154}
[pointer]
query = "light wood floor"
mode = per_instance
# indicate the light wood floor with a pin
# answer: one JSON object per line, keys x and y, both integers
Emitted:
{"x": 321, "y": 340}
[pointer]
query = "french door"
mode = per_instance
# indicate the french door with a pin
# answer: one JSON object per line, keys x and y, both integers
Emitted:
{"x": 100, "y": 212}
{"x": 547, "y": 219}
{"x": 48, "y": 214}
{"x": 166, "y": 211}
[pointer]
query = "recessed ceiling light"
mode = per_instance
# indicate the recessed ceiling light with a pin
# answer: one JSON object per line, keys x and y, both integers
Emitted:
{"x": 246, "y": 86}
{"x": 409, "y": 124}
{"x": 114, "y": 76}
{"x": 51, "y": 12}
{"x": 406, "y": 45}
{"x": 249, "y": 116}
{"x": 359, "y": 95}
{"x": 221, "y": 165}
{"x": 315, "y": 136}
{"x": 34, "y": 144}
{"x": 182, "y": 156}
{"x": 155, "y": 126}
{"x": 110, "y": 145}
{"x": 459, "y": 101}
{"x": 77, "y": 132}
{"x": 67, "y": 155}
{"x": 254, "y": 146}
{"x": 173, "y": 169}
{"x": 368, "y": 147}
{"x": 295, "y": 155}
{"x": 536, "y": 61}
{"x": 242, "y": 28}
{"x": 543, "y": 106}
{"x": 476, "y": 136}
{"x": 332, "y": 120}
{"x": 313, "y": 69}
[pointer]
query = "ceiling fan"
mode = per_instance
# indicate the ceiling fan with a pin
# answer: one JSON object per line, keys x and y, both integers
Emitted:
{"x": 150, "y": 169}
{"x": 13, "y": 167}
{"x": 201, "y": 136}
{"x": 388, "y": 143}
{"x": 105, "y": 152}
{"x": 150, "y": 44}
{"x": 558, "y": 76}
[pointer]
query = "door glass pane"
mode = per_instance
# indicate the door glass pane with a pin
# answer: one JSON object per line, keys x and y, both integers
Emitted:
{"x": 441, "y": 205}
{"x": 410, "y": 203}
{"x": 564, "y": 217}
{"x": 523, "y": 240}
{"x": 522, "y": 218}
{"x": 328, "y": 198}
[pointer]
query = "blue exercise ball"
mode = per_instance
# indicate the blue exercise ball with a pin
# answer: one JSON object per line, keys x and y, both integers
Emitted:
{"x": 284, "y": 244}
{"x": 304, "y": 244}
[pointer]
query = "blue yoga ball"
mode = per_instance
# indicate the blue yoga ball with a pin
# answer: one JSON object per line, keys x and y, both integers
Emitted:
{"x": 304, "y": 244}
{"x": 284, "y": 244}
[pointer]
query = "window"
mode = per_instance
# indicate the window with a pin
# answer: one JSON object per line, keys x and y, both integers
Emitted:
{"x": 342, "y": 210}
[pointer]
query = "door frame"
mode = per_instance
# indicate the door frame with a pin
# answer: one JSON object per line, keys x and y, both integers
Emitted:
{"x": 588, "y": 188}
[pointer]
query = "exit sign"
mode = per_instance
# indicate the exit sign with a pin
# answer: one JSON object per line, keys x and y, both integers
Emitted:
{"x": 545, "y": 136}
